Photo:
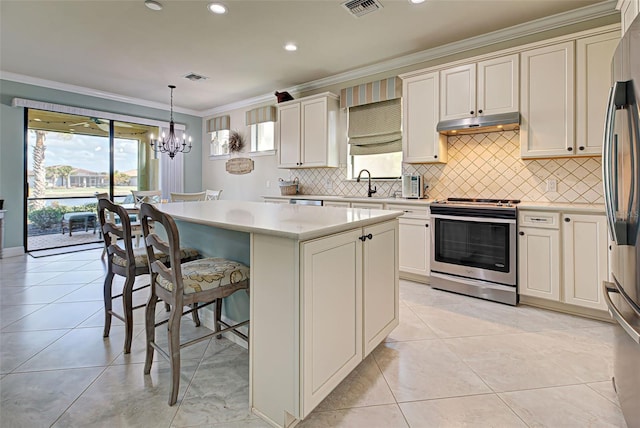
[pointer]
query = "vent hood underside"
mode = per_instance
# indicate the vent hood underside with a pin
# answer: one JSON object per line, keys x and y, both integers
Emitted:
{"x": 474, "y": 125}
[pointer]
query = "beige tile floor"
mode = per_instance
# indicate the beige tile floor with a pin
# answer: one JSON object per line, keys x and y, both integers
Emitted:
{"x": 453, "y": 361}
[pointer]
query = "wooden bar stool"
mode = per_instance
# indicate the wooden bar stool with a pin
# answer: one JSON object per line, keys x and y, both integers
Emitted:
{"x": 197, "y": 284}
{"x": 127, "y": 262}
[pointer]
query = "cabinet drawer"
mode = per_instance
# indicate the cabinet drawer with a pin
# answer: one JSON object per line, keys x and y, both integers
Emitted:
{"x": 370, "y": 205}
{"x": 541, "y": 219}
{"x": 410, "y": 211}
{"x": 336, "y": 204}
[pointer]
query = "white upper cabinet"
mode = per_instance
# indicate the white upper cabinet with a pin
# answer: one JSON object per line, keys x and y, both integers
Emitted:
{"x": 308, "y": 132}
{"x": 629, "y": 9}
{"x": 593, "y": 80}
{"x": 564, "y": 90}
{"x": 421, "y": 143}
{"x": 547, "y": 101}
{"x": 483, "y": 88}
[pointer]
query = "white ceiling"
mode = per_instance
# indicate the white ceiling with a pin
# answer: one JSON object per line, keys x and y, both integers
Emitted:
{"x": 126, "y": 49}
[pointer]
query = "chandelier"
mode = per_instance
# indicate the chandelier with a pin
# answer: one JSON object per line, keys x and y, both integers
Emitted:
{"x": 171, "y": 144}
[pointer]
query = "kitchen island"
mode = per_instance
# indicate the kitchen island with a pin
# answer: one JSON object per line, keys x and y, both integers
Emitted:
{"x": 324, "y": 291}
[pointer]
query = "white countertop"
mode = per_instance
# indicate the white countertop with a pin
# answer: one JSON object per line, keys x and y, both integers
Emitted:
{"x": 300, "y": 222}
{"x": 524, "y": 205}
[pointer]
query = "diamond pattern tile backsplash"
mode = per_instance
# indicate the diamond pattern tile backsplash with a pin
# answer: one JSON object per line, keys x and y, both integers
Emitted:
{"x": 480, "y": 166}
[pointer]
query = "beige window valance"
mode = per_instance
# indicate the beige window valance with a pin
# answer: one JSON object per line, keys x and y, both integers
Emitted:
{"x": 375, "y": 128}
{"x": 372, "y": 92}
{"x": 219, "y": 123}
{"x": 261, "y": 114}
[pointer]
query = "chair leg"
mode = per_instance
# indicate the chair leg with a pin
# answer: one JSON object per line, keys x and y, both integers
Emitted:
{"x": 108, "y": 303}
{"x": 195, "y": 315}
{"x": 174, "y": 351}
{"x": 218, "y": 316}
{"x": 150, "y": 330}
{"x": 127, "y": 307}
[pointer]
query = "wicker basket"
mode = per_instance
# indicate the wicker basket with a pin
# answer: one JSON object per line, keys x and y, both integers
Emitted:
{"x": 289, "y": 187}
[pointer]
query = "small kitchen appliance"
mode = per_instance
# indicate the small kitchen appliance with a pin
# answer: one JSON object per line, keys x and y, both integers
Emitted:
{"x": 412, "y": 187}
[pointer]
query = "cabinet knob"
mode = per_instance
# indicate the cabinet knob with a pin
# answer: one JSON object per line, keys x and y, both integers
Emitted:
{"x": 581, "y": 148}
{"x": 435, "y": 156}
{"x": 567, "y": 219}
{"x": 426, "y": 225}
{"x": 471, "y": 112}
{"x": 570, "y": 149}
{"x": 370, "y": 236}
{"x": 479, "y": 111}
{"x": 521, "y": 233}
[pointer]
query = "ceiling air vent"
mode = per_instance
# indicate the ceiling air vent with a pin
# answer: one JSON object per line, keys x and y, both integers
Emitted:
{"x": 359, "y": 8}
{"x": 195, "y": 77}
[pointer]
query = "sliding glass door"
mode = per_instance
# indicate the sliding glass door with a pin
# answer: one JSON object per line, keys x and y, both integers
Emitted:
{"x": 70, "y": 158}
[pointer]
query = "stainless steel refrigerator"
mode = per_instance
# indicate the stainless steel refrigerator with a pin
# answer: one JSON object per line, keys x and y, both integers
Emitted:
{"x": 621, "y": 177}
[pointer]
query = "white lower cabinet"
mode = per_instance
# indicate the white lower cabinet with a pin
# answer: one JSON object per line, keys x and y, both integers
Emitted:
{"x": 414, "y": 242}
{"x": 539, "y": 259}
{"x": 380, "y": 271}
{"x": 563, "y": 260}
{"x": 584, "y": 254}
{"x": 349, "y": 300}
{"x": 336, "y": 204}
{"x": 331, "y": 339}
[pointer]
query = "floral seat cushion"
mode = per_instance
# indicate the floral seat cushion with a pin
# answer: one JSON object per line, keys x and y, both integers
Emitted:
{"x": 209, "y": 273}
{"x": 141, "y": 260}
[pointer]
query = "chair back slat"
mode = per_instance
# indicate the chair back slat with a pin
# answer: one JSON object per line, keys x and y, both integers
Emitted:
{"x": 212, "y": 195}
{"x": 148, "y": 196}
{"x": 185, "y": 197}
{"x": 148, "y": 214}
{"x": 107, "y": 214}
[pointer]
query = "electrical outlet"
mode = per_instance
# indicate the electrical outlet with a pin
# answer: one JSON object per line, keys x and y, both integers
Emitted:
{"x": 328, "y": 184}
{"x": 552, "y": 185}
{"x": 267, "y": 184}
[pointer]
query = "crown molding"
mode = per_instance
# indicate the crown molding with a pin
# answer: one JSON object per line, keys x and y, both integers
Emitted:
{"x": 81, "y": 90}
{"x": 599, "y": 10}
{"x": 587, "y": 13}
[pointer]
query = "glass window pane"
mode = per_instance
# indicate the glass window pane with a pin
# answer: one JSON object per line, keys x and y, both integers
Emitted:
{"x": 384, "y": 165}
{"x": 219, "y": 143}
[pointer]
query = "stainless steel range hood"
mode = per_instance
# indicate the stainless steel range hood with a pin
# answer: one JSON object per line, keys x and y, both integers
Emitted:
{"x": 474, "y": 125}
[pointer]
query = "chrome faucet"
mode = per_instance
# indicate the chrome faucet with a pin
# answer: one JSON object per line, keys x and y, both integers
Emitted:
{"x": 369, "y": 190}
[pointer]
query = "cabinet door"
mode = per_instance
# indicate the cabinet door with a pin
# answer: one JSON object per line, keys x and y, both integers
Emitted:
{"x": 289, "y": 153}
{"x": 421, "y": 112}
{"x": 331, "y": 330}
{"x": 539, "y": 258}
{"x": 584, "y": 246}
{"x": 629, "y": 9}
{"x": 498, "y": 89}
{"x": 593, "y": 80}
{"x": 458, "y": 92}
{"x": 314, "y": 133}
{"x": 414, "y": 242}
{"x": 380, "y": 284}
{"x": 547, "y": 100}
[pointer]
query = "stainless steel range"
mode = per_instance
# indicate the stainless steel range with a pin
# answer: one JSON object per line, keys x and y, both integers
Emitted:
{"x": 473, "y": 248}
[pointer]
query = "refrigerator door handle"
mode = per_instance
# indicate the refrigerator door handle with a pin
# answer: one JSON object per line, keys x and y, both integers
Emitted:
{"x": 609, "y": 287}
{"x": 606, "y": 164}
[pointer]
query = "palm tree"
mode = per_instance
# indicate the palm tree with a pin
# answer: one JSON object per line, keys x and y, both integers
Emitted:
{"x": 65, "y": 171}
{"x": 39, "y": 170}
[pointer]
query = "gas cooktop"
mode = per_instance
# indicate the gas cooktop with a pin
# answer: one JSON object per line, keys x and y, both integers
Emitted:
{"x": 509, "y": 203}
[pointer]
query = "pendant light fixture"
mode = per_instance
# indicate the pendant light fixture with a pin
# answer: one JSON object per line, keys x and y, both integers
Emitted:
{"x": 171, "y": 144}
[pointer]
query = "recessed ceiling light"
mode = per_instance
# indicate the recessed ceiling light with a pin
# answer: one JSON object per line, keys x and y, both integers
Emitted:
{"x": 416, "y": 1}
{"x": 153, "y": 4}
{"x": 291, "y": 47}
{"x": 217, "y": 8}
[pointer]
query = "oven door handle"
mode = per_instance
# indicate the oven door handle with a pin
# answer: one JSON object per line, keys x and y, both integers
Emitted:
{"x": 475, "y": 219}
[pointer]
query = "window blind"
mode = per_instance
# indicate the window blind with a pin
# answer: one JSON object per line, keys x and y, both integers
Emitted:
{"x": 375, "y": 128}
{"x": 261, "y": 114}
{"x": 219, "y": 123}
